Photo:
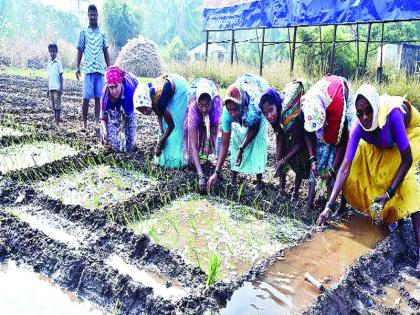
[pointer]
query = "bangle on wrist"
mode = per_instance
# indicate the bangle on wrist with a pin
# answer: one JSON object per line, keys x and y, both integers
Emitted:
{"x": 241, "y": 148}
{"x": 390, "y": 193}
{"x": 201, "y": 175}
{"x": 330, "y": 205}
{"x": 312, "y": 158}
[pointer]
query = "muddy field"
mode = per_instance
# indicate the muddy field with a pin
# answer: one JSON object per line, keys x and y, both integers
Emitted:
{"x": 126, "y": 237}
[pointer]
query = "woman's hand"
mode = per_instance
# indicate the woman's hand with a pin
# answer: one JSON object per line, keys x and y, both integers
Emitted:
{"x": 279, "y": 167}
{"x": 104, "y": 136}
{"x": 382, "y": 200}
{"x": 158, "y": 149}
{"x": 202, "y": 183}
{"x": 212, "y": 181}
{"x": 239, "y": 157}
{"x": 324, "y": 216}
{"x": 327, "y": 177}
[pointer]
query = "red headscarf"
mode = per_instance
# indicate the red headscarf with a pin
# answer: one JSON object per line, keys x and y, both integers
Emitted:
{"x": 114, "y": 75}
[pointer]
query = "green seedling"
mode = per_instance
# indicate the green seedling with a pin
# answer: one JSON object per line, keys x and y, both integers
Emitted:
{"x": 213, "y": 269}
{"x": 153, "y": 234}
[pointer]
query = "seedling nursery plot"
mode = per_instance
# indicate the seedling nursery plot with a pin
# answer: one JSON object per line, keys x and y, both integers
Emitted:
{"x": 108, "y": 233}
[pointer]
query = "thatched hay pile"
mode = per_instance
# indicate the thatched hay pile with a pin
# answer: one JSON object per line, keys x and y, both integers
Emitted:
{"x": 141, "y": 57}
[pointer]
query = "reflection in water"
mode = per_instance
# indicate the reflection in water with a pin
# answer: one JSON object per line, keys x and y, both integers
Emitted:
{"x": 148, "y": 279}
{"x": 282, "y": 288}
{"x": 47, "y": 226}
{"x": 23, "y": 292}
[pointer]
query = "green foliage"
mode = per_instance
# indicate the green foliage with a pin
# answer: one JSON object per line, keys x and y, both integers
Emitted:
{"x": 122, "y": 21}
{"x": 167, "y": 19}
{"x": 315, "y": 61}
{"x": 176, "y": 50}
{"x": 214, "y": 269}
{"x": 34, "y": 20}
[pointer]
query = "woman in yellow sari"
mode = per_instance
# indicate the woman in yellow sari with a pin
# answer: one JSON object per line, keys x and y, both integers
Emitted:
{"x": 380, "y": 175}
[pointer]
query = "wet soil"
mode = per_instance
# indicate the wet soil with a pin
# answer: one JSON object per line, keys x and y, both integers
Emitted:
{"x": 92, "y": 253}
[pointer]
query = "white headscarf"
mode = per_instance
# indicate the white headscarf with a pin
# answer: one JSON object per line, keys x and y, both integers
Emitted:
{"x": 141, "y": 96}
{"x": 371, "y": 94}
{"x": 203, "y": 87}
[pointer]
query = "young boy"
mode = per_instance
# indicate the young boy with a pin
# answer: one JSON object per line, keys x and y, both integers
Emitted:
{"x": 55, "y": 81}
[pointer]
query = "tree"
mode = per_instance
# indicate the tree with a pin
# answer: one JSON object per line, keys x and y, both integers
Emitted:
{"x": 310, "y": 55}
{"x": 176, "y": 49}
{"x": 170, "y": 18}
{"x": 122, "y": 21}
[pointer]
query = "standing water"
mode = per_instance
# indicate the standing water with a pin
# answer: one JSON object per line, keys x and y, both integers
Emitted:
{"x": 23, "y": 292}
{"x": 282, "y": 288}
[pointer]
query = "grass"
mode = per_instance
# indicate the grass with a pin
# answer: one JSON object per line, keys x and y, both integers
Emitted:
{"x": 278, "y": 75}
{"x": 214, "y": 268}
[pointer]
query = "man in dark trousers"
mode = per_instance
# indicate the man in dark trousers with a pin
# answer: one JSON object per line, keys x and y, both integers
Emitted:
{"x": 93, "y": 45}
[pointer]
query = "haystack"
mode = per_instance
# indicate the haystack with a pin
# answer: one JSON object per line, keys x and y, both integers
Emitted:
{"x": 141, "y": 57}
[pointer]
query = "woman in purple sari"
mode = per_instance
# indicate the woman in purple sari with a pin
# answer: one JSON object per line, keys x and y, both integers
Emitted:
{"x": 201, "y": 123}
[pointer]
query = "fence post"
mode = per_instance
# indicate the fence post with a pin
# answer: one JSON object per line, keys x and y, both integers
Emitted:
{"x": 331, "y": 67}
{"x": 292, "y": 57}
{"x": 367, "y": 48}
{"x": 232, "y": 47}
{"x": 380, "y": 69}
{"x": 322, "y": 54}
{"x": 262, "y": 52}
{"x": 207, "y": 45}
{"x": 357, "y": 49}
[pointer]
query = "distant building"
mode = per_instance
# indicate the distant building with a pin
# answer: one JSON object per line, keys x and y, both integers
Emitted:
{"x": 403, "y": 57}
{"x": 216, "y": 52}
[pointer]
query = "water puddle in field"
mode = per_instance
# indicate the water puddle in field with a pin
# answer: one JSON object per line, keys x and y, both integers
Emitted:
{"x": 148, "y": 279}
{"x": 198, "y": 228}
{"x": 95, "y": 187}
{"x": 51, "y": 225}
{"x": 10, "y": 132}
{"x": 282, "y": 288}
{"x": 24, "y": 292}
{"x": 398, "y": 295}
{"x": 21, "y": 156}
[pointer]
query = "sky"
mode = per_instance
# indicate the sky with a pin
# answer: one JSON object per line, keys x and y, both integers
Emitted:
{"x": 71, "y": 5}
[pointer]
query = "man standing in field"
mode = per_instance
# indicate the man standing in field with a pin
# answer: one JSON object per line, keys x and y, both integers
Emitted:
{"x": 94, "y": 46}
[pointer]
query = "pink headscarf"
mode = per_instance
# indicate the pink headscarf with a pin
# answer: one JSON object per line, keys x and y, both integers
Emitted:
{"x": 114, "y": 75}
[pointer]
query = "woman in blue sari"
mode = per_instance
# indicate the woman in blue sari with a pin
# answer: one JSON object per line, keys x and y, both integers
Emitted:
{"x": 244, "y": 130}
{"x": 167, "y": 97}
